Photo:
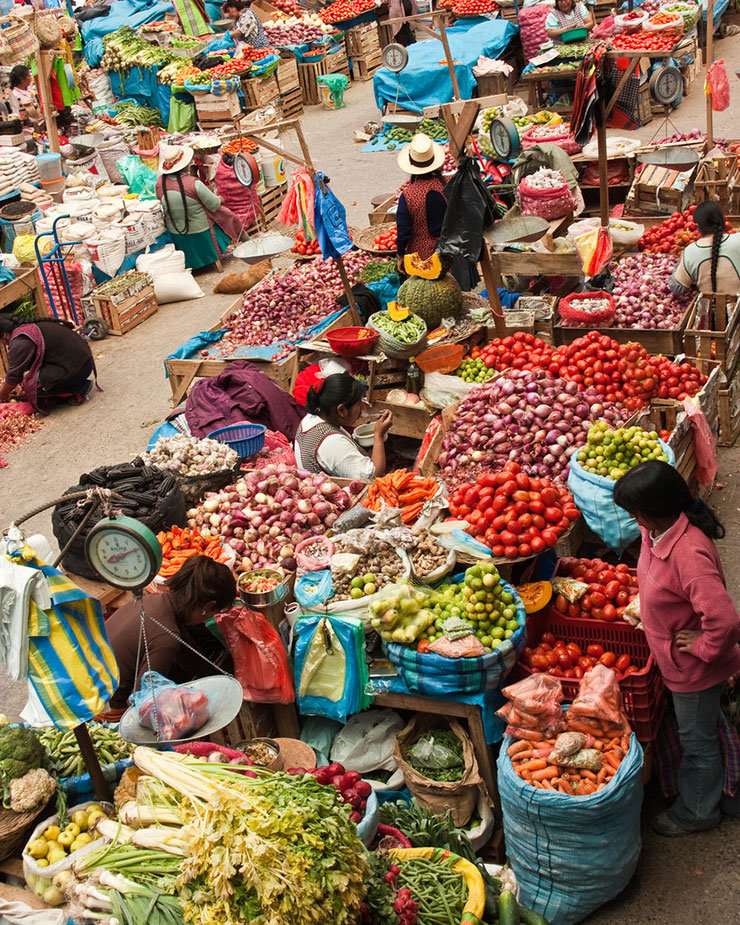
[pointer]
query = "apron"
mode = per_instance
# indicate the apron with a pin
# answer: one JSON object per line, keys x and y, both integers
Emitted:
{"x": 223, "y": 217}
{"x": 309, "y": 442}
{"x": 30, "y": 381}
{"x": 421, "y": 242}
{"x": 568, "y": 22}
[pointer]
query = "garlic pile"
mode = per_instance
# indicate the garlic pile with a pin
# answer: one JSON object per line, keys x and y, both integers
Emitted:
{"x": 190, "y": 455}
{"x": 545, "y": 178}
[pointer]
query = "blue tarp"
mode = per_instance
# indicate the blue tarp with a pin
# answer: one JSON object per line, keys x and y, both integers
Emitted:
{"x": 383, "y": 141}
{"x": 424, "y": 82}
{"x": 122, "y": 13}
{"x": 140, "y": 84}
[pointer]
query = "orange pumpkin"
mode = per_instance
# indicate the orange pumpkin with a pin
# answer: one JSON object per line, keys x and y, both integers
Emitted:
{"x": 426, "y": 269}
{"x": 535, "y": 595}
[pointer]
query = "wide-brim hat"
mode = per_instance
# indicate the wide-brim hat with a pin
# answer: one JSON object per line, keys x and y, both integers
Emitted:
{"x": 173, "y": 158}
{"x": 421, "y": 155}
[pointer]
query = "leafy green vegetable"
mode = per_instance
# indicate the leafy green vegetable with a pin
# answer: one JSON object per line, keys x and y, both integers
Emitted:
{"x": 20, "y": 751}
{"x": 377, "y": 270}
{"x": 446, "y": 740}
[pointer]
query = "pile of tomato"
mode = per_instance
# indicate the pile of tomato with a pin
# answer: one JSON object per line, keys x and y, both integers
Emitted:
{"x": 610, "y": 589}
{"x": 386, "y": 241}
{"x": 288, "y": 6}
{"x": 568, "y": 660}
{"x": 238, "y": 145}
{"x": 514, "y": 514}
{"x": 244, "y": 62}
{"x": 345, "y": 9}
{"x": 676, "y": 380}
{"x": 672, "y": 235}
{"x": 474, "y": 7}
{"x": 303, "y": 247}
{"x": 519, "y": 351}
{"x": 645, "y": 41}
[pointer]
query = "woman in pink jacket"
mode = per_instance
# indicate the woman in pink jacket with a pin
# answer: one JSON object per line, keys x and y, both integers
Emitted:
{"x": 692, "y": 628}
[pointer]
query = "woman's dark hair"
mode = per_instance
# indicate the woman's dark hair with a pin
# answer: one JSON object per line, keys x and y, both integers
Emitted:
{"x": 338, "y": 389}
{"x": 19, "y": 73}
{"x": 9, "y": 322}
{"x": 655, "y": 489}
{"x": 199, "y": 582}
{"x": 165, "y": 207}
{"x": 236, "y": 4}
{"x": 710, "y": 219}
{"x": 427, "y": 176}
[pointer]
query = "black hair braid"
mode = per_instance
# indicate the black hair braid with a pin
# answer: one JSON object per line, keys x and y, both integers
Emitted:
{"x": 716, "y": 245}
{"x": 184, "y": 204}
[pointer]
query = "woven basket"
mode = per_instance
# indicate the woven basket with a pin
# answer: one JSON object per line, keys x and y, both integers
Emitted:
{"x": 194, "y": 487}
{"x": 15, "y": 829}
{"x": 20, "y": 39}
{"x": 364, "y": 239}
{"x": 396, "y": 349}
{"x": 48, "y": 28}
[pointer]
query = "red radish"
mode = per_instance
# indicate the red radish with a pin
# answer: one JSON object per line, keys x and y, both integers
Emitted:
{"x": 323, "y": 776}
{"x": 335, "y": 769}
{"x": 352, "y": 777}
{"x": 363, "y": 788}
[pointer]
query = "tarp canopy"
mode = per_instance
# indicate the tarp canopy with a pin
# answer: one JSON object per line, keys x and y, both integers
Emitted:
{"x": 122, "y": 13}
{"x": 426, "y": 82}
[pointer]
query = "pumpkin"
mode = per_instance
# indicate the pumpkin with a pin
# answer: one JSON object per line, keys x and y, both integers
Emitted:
{"x": 535, "y": 595}
{"x": 397, "y": 312}
{"x": 426, "y": 269}
{"x": 431, "y": 299}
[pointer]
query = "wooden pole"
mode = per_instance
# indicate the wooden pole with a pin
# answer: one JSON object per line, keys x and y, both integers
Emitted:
{"x": 87, "y": 750}
{"x": 710, "y": 58}
{"x": 492, "y": 279}
{"x": 603, "y": 166}
{"x": 450, "y": 61}
{"x": 43, "y": 66}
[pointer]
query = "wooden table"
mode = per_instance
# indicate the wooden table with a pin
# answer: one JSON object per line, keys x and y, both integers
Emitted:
{"x": 536, "y": 79}
{"x": 466, "y": 711}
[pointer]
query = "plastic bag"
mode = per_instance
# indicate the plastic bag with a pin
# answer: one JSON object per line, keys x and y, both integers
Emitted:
{"x": 574, "y": 309}
{"x": 260, "y": 662}
{"x": 717, "y": 84}
{"x": 534, "y": 710}
{"x": 172, "y": 710}
{"x": 140, "y": 178}
{"x": 365, "y": 744}
{"x": 598, "y": 708}
{"x": 314, "y": 588}
{"x": 470, "y": 211}
{"x": 704, "y": 447}
{"x": 182, "y": 116}
{"x": 325, "y": 666}
{"x": 590, "y": 759}
{"x": 319, "y": 559}
{"x": 330, "y": 220}
{"x": 430, "y": 754}
{"x": 567, "y": 744}
{"x": 595, "y": 249}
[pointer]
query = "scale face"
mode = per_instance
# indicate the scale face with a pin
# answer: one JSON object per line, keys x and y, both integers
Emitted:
{"x": 124, "y": 552}
{"x": 505, "y": 138}
{"x": 666, "y": 84}
{"x": 395, "y": 57}
{"x": 245, "y": 169}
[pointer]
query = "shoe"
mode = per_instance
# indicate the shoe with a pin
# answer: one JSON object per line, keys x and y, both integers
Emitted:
{"x": 665, "y": 825}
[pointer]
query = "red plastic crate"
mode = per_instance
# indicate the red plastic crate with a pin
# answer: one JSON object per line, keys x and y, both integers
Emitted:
{"x": 557, "y": 574}
{"x": 644, "y": 693}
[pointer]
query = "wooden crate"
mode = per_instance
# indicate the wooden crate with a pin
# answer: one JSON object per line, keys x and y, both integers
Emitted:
{"x": 668, "y": 341}
{"x": 211, "y": 108}
{"x": 717, "y": 180}
{"x": 364, "y": 67}
{"x": 713, "y": 329}
{"x": 258, "y": 92}
{"x": 334, "y": 61}
{"x": 271, "y": 202}
{"x": 382, "y": 373}
{"x": 287, "y": 75}
{"x": 729, "y": 412}
{"x": 362, "y": 40}
{"x": 381, "y": 212}
{"x": 126, "y": 315}
{"x": 661, "y": 189}
{"x": 291, "y": 104}
{"x": 644, "y": 104}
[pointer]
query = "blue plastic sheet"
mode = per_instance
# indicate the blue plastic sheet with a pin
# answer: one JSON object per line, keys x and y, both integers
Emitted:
{"x": 384, "y": 141}
{"x": 386, "y": 289}
{"x": 330, "y": 221}
{"x": 122, "y": 13}
{"x": 424, "y": 82}
{"x": 140, "y": 85}
{"x": 223, "y": 43}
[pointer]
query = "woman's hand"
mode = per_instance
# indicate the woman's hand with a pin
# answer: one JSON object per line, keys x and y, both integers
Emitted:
{"x": 685, "y": 639}
{"x": 385, "y": 422}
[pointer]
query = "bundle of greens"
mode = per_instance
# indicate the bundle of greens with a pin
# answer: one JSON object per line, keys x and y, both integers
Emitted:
{"x": 438, "y": 755}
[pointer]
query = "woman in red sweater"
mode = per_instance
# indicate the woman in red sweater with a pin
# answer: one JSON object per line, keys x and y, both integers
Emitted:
{"x": 692, "y": 628}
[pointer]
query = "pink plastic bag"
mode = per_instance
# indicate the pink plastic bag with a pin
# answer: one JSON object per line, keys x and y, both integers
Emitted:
{"x": 718, "y": 85}
{"x": 276, "y": 449}
{"x": 706, "y": 458}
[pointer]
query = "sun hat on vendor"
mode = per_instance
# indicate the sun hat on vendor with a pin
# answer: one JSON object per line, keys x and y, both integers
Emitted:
{"x": 421, "y": 155}
{"x": 173, "y": 158}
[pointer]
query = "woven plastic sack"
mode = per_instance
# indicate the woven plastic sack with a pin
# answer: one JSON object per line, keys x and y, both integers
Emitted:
{"x": 260, "y": 661}
{"x": 594, "y": 497}
{"x": 553, "y": 135}
{"x": 533, "y": 31}
{"x": 547, "y": 203}
{"x": 572, "y": 854}
{"x": 571, "y": 309}
{"x": 430, "y": 674}
{"x": 717, "y": 84}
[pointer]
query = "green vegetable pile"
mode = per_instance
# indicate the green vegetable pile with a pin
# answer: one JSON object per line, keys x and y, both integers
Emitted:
{"x": 125, "y": 50}
{"x": 133, "y": 115}
{"x": 575, "y": 50}
{"x": 434, "y": 128}
{"x": 612, "y": 453}
{"x": 474, "y": 370}
{"x": 439, "y": 891}
{"x": 447, "y": 740}
{"x": 64, "y": 752}
{"x": 20, "y": 751}
{"x": 376, "y": 270}
{"x": 401, "y": 135}
{"x": 424, "y": 828}
{"x": 408, "y": 332}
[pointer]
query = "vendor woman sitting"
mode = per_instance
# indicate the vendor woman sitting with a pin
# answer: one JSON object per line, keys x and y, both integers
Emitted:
{"x": 323, "y": 442}
{"x": 565, "y": 16}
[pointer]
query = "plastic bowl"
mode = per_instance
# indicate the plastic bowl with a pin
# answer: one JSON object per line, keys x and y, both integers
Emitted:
{"x": 347, "y": 343}
{"x": 364, "y": 434}
{"x": 574, "y": 35}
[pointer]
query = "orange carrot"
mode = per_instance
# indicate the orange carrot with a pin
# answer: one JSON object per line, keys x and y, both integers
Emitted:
{"x": 548, "y": 773}
{"x": 536, "y": 764}
{"x": 516, "y": 748}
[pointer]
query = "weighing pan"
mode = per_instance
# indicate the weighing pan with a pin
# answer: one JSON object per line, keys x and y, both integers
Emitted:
{"x": 403, "y": 120}
{"x": 263, "y": 246}
{"x": 225, "y": 698}
{"x": 517, "y": 229}
{"x": 675, "y": 158}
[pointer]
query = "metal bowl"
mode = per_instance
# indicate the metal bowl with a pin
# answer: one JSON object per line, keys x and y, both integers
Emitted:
{"x": 263, "y": 598}
{"x": 277, "y": 762}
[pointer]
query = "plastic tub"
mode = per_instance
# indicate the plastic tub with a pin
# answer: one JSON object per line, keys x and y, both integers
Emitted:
{"x": 50, "y": 166}
{"x": 574, "y": 35}
{"x": 347, "y": 343}
{"x": 441, "y": 359}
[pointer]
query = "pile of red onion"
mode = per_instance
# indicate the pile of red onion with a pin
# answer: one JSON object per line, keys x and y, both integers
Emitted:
{"x": 15, "y": 427}
{"x": 281, "y": 308}
{"x": 526, "y": 416}
{"x": 268, "y": 512}
{"x": 641, "y": 292}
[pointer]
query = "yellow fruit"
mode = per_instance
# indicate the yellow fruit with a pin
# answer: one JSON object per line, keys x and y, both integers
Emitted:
{"x": 38, "y": 848}
{"x": 66, "y": 838}
{"x": 42, "y": 862}
{"x": 76, "y": 844}
{"x": 93, "y": 816}
{"x": 61, "y": 879}
{"x": 58, "y": 854}
{"x": 73, "y": 828}
{"x": 95, "y": 807}
{"x": 51, "y": 833}
{"x": 80, "y": 819}
{"x": 52, "y": 896}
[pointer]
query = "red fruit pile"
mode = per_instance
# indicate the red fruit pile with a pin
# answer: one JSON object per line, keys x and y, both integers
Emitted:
{"x": 345, "y": 9}
{"x": 676, "y": 380}
{"x": 648, "y": 41}
{"x": 474, "y": 7}
{"x": 519, "y": 351}
{"x": 350, "y": 785}
{"x": 303, "y": 247}
{"x": 387, "y": 240}
{"x": 568, "y": 660}
{"x": 610, "y": 589}
{"x": 514, "y": 514}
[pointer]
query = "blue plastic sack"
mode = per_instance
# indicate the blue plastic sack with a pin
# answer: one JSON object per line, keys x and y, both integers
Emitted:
{"x": 314, "y": 588}
{"x": 386, "y": 289}
{"x": 572, "y": 854}
{"x": 594, "y": 497}
{"x": 430, "y": 674}
{"x": 368, "y": 825}
{"x": 330, "y": 219}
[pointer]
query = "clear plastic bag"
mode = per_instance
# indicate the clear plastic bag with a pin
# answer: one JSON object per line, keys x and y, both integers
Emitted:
{"x": 598, "y": 708}
{"x": 534, "y": 709}
{"x": 172, "y": 710}
{"x": 430, "y": 754}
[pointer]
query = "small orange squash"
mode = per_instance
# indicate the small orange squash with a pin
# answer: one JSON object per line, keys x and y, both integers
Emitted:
{"x": 426, "y": 269}
{"x": 398, "y": 312}
{"x": 535, "y": 595}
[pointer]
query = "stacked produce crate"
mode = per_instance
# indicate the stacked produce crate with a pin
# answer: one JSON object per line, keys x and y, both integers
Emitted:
{"x": 333, "y": 60}
{"x": 363, "y": 50}
{"x": 125, "y": 301}
{"x": 214, "y": 111}
{"x": 291, "y": 97}
{"x": 259, "y": 91}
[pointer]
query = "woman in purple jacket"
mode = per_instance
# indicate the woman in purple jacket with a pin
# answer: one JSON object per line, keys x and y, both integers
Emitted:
{"x": 692, "y": 628}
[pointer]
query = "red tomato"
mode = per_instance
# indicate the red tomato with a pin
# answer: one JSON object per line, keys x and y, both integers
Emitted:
{"x": 609, "y": 659}
{"x": 595, "y": 651}
{"x": 623, "y": 662}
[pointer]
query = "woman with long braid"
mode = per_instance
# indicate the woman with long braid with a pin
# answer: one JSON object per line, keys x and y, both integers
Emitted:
{"x": 711, "y": 264}
{"x": 201, "y": 227}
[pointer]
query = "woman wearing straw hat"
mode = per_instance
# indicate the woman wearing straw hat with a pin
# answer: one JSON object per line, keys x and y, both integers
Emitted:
{"x": 201, "y": 227}
{"x": 422, "y": 203}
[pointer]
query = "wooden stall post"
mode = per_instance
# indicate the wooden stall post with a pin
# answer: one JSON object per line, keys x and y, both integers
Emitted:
{"x": 603, "y": 166}
{"x": 710, "y": 58}
{"x": 44, "y": 60}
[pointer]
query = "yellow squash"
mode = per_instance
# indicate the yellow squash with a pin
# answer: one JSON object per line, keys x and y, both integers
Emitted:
{"x": 475, "y": 906}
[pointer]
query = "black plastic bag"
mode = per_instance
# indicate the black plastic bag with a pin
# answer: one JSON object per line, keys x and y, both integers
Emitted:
{"x": 367, "y": 301}
{"x": 602, "y": 282}
{"x": 470, "y": 211}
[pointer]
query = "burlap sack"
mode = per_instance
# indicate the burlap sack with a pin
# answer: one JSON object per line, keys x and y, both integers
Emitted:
{"x": 438, "y": 796}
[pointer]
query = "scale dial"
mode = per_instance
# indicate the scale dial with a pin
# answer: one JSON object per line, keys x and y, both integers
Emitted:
{"x": 246, "y": 169}
{"x": 505, "y": 138}
{"x": 666, "y": 84}
{"x": 124, "y": 552}
{"x": 395, "y": 57}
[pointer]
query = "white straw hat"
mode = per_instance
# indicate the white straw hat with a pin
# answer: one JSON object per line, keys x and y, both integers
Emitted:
{"x": 173, "y": 158}
{"x": 421, "y": 155}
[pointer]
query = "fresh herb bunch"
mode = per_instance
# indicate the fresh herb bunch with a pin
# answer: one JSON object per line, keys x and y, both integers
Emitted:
{"x": 377, "y": 270}
{"x": 448, "y": 740}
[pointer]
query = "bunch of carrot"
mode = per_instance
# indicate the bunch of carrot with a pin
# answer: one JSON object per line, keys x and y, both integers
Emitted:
{"x": 181, "y": 543}
{"x": 530, "y": 761}
{"x": 402, "y": 489}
